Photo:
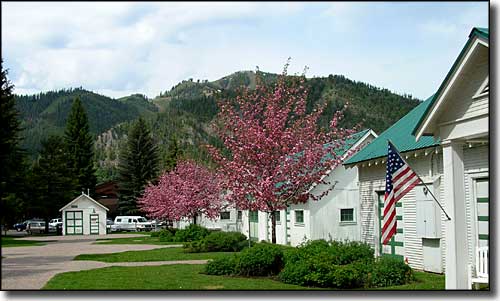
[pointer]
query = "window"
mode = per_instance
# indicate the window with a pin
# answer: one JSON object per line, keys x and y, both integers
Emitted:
{"x": 130, "y": 220}
{"x": 347, "y": 215}
{"x": 240, "y": 215}
{"x": 254, "y": 216}
{"x": 299, "y": 216}
{"x": 225, "y": 215}
{"x": 277, "y": 214}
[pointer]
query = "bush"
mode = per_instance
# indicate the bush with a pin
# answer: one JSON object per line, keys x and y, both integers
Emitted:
{"x": 224, "y": 242}
{"x": 218, "y": 241}
{"x": 222, "y": 266}
{"x": 262, "y": 259}
{"x": 191, "y": 233}
{"x": 155, "y": 233}
{"x": 328, "y": 264}
{"x": 165, "y": 235}
{"x": 389, "y": 271}
{"x": 197, "y": 246}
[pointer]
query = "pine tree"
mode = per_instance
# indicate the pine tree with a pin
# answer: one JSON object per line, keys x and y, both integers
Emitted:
{"x": 138, "y": 165}
{"x": 53, "y": 186}
{"x": 80, "y": 148}
{"x": 12, "y": 157}
{"x": 173, "y": 154}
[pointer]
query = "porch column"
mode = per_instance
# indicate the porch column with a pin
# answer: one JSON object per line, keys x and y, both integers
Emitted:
{"x": 456, "y": 229}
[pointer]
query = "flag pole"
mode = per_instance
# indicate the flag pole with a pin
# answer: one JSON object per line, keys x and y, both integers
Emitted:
{"x": 439, "y": 204}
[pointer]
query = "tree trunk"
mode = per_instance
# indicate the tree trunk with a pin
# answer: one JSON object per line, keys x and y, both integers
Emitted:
{"x": 194, "y": 218}
{"x": 249, "y": 236}
{"x": 273, "y": 227}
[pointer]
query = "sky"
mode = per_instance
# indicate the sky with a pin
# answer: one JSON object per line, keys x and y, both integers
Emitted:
{"x": 121, "y": 48}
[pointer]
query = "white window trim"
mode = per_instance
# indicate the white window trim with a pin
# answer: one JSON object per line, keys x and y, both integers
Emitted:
{"x": 295, "y": 222}
{"x": 353, "y": 222}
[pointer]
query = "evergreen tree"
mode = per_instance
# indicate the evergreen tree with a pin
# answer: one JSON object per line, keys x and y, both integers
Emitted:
{"x": 138, "y": 165}
{"x": 52, "y": 186}
{"x": 80, "y": 148}
{"x": 12, "y": 158}
{"x": 173, "y": 154}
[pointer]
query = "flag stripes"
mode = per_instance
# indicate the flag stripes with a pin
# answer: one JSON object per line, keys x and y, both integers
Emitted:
{"x": 399, "y": 180}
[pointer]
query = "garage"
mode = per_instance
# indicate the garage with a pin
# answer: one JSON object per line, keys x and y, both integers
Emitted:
{"x": 84, "y": 216}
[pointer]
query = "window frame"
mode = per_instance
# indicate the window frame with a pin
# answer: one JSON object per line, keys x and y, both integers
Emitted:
{"x": 228, "y": 215}
{"x": 295, "y": 217}
{"x": 344, "y": 222}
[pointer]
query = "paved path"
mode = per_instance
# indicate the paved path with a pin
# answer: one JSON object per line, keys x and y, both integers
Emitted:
{"x": 31, "y": 267}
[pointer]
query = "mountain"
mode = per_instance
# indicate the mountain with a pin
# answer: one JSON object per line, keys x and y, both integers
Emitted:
{"x": 188, "y": 108}
{"x": 45, "y": 113}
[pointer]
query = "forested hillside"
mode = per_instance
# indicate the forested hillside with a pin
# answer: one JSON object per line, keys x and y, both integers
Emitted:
{"x": 186, "y": 110}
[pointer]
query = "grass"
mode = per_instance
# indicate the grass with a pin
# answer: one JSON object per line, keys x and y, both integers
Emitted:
{"x": 166, "y": 277}
{"x": 423, "y": 281}
{"x": 151, "y": 255}
{"x": 9, "y": 241}
{"x": 190, "y": 277}
{"x": 146, "y": 239}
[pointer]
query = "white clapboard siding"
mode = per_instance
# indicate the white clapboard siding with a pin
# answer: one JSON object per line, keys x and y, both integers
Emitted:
{"x": 475, "y": 161}
{"x": 372, "y": 179}
{"x": 464, "y": 104}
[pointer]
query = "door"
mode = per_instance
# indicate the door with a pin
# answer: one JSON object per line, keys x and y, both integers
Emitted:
{"x": 482, "y": 212}
{"x": 395, "y": 246}
{"x": 254, "y": 225}
{"x": 74, "y": 223}
{"x": 94, "y": 224}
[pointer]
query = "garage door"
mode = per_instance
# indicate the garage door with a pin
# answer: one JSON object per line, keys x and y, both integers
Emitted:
{"x": 74, "y": 222}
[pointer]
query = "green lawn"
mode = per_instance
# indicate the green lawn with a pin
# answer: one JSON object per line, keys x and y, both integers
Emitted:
{"x": 151, "y": 255}
{"x": 423, "y": 281}
{"x": 189, "y": 277}
{"x": 166, "y": 277}
{"x": 9, "y": 241}
{"x": 146, "y": 239}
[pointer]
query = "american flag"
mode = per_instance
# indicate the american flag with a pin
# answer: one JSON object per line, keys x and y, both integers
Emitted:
{"x": 399, "y": 180}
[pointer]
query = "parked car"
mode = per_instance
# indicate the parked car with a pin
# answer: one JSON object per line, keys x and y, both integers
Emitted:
{"x": 55, "y": 222}
{"x": 131, "y": 223}
{"x": 109, "y": 225}
{"x": 35, "y": 227}
{"x": 22, "y": 226}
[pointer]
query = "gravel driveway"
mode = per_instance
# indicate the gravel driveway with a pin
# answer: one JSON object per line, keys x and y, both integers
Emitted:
{"x": 31, "y": 267}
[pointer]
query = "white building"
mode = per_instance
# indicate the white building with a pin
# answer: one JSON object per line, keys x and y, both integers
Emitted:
{"x": 84, "y": 216}
{"x": 445, "y": 140}
{"x": 335, "y": 216}
{"x": 229, "y": 220}
{"x": 459, "y": 116}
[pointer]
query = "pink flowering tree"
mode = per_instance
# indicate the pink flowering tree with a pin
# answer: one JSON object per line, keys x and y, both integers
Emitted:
{"x": 276, "y": 152}
{"x": 185, "y": 192}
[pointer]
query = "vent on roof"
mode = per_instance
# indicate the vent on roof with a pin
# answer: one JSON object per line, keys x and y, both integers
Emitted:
{"x": 484, "y": 89}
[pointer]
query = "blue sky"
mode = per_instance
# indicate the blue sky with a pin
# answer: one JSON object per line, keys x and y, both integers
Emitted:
{"x": 122, "y": 48}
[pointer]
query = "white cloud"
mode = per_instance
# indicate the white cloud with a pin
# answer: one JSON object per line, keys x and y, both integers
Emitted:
{"x": 115, "y": 47}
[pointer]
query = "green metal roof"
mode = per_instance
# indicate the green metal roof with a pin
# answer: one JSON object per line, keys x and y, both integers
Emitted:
{"x": 400, "y": 134}
{"x": 350, "y": 141}
{"x": 482, "y": 32}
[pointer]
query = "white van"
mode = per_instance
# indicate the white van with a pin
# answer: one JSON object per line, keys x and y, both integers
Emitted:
{"x": 131, "y": 223}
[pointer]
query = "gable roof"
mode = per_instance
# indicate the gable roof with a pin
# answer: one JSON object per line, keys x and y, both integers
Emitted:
{"x": 476, "y": 32}
{"x": 82, "y": 196}
{"x": 400, "y": 134}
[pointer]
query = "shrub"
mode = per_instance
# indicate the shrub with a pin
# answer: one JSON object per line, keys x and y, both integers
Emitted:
{"x": 165, "y": 235}
{"x": 389, "y": 271}
{"x": 224, "y": 242}
{"x": 155, "y": 233}
{"x": 328, "y": 264}
{"x": 295, "y": 272}
{"x": 191, "y": 233}
{"x": 196, "y": 246}
{"x": 222, "y": 266}
{"x": 262, "y": 259}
